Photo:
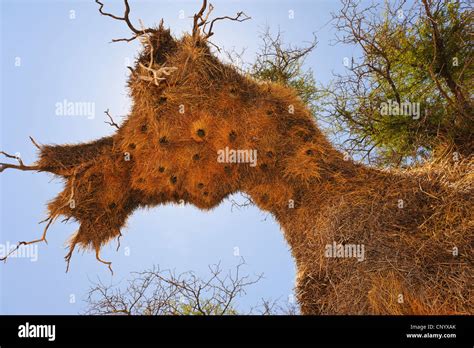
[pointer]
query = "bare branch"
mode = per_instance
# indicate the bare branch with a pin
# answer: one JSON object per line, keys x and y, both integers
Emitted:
{"x": 112, "y": 122}
{"x": 126, "y": 19}
{"x": 42, "y": 239}
{"x": 18, "y": 158}
{"x": 35, "y": 143}
{"x": 156, "y": 292}
{"x": 201, "y": 20}
{"x": 198, "y": 20}
{"x": 108, "y": 263}
{"x": 158, "y": 72}
{"x": 239, "y": 17}
{"x": 20, "y": 166}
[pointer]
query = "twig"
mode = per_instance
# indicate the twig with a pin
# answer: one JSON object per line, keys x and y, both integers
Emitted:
{"x": 126, "y": 19}
{"x": 20, "y": 166}
{"x": 112, "y": 122}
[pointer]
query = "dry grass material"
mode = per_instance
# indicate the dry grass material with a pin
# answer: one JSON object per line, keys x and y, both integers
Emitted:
{"x": 418, "y": 251}
{"x": 166, "y": 151}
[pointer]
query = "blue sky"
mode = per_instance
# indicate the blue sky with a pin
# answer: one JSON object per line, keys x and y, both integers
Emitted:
{"x": 47, "y": 57}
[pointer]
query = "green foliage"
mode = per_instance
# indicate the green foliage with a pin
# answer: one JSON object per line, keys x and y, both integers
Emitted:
{"x": 280, "y": 63}
{"x": 421, "y": 55}
{"x": 207, "y": 307}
